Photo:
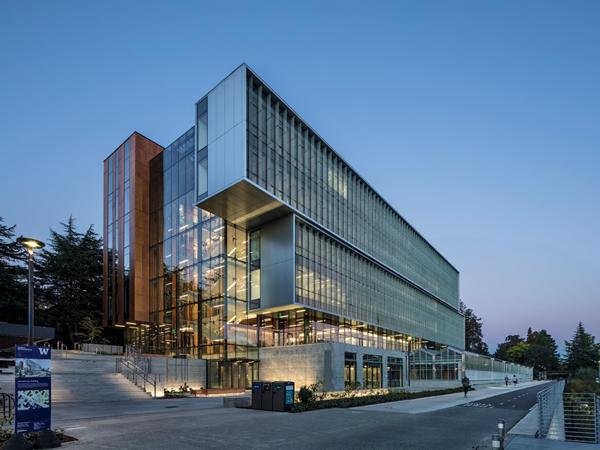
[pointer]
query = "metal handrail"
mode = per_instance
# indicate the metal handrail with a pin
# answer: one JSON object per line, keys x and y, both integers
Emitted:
{"x": 137, "y": 369}
{"x": 8, "y": 405}
{"x": 548, "y": 399}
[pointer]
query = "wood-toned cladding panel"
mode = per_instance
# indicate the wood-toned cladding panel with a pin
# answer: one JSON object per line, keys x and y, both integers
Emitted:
{"x": 126, "y": 220}
{"x": 105, "y": 321}
{"x": 143, "y": 150}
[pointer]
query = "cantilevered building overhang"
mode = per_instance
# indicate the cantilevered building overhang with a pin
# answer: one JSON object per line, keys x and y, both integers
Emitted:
{"x": 230, "y": 194}
{"x": 246, "y": 204}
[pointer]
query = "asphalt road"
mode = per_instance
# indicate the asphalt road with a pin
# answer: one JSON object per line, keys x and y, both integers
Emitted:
{"x": 518, "y": 400}
{"x": 462, "y": 427}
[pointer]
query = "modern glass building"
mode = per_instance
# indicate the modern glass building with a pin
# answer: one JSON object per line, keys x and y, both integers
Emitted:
{"x": 251, "y": 244}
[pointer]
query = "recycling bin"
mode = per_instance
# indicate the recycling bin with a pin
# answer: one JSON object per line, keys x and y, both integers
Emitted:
{"x": 266, "y": 397}
{"x": 257, "y": 394}
{"x": 283, "y": 395}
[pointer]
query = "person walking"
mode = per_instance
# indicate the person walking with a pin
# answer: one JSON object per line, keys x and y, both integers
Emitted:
{"x": 515, "y": 380}
{"x": 465, "y": 384}
{"x": 506, "y": 380}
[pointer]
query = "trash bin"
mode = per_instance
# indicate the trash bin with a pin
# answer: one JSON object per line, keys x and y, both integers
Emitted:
{"x": 257, "y": 394}
{"x": 283, "y": 395}
{"x": 266, "y": 397}
{"x": 278, "y": 389}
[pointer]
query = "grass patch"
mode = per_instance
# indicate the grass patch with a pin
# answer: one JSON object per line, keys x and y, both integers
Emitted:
{"x": 352, "y": 401}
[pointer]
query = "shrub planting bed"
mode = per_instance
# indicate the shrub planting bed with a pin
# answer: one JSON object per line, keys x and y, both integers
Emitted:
{"x": 350, "y": 400}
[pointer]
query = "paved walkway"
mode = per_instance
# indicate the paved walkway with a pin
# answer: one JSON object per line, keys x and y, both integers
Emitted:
{"x": 436, "y": 403}
{"x": 528, "y": 425}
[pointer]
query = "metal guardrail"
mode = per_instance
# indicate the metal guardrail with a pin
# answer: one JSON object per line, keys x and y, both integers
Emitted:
{"x": 581, "y": 417}
{"x": 7, "y": 405}
{"x": 136, "y": 369}
{"x": 548, "y": 399}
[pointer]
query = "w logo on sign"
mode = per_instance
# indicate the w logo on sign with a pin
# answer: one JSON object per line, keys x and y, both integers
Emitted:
{"x": 44, "y": 351}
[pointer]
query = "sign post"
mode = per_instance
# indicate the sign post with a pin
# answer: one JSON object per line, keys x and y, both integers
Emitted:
{"x": 32, "y": 388}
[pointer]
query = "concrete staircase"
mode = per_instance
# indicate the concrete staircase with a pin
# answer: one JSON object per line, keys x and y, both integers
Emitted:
{"x": 87, "y": 377}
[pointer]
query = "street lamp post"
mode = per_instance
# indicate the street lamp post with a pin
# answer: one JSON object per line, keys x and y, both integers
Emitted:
{"x": 31, "y": 245}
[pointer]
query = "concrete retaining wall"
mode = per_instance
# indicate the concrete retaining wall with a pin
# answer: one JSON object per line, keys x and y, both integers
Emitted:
{"x": 434, "y": 384}
{"x": 489, "y": 377}
{"x": 103, "y": 349}
{"x": 174, "y": 372}
{"x": 311, "y": 363}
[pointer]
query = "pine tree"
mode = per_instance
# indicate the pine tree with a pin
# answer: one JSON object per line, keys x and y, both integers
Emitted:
{"x": 542, "y": 353}
{"x": 473, "y": 332}
{"x": 582, "y": 351}
{"x": 13, "y": 277}
{"x": 71, "y": 273}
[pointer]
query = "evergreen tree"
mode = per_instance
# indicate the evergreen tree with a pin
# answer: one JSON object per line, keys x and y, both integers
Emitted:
{"x": 13, "y": 277}
{"x": 539, "y": 350}
{"x": 71, "y": 273}
{"x": 582, "y": 351}
{"x": 473, "y": 332}
{"x": 503, "y": 350}
{"x": 542, "y": 352}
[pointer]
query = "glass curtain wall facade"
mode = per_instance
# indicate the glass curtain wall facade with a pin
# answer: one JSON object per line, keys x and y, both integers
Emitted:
{"x": 290, "y": 161}
{"x": 175, "y": 224}
{"x": 355, "y": 256}
{"x": 480, "y": 363}
{"x": 306, "y": 326}
{"x": 117, "y": 232}
{"x": 430, "y": 364}
{"x": 332, "y": 277}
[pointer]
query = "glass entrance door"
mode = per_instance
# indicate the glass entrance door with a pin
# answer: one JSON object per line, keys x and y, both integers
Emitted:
{"x": 230, "y": 374}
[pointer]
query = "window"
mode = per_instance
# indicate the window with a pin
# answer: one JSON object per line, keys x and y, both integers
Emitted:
{"x": 394, "y": 372}
{"x": 202, "y": 173}
{"x": 254, "y": 257}
{"x": 372, "y": 371}
{"x": 202, "y": 124}
{"x": 350, "y": 370}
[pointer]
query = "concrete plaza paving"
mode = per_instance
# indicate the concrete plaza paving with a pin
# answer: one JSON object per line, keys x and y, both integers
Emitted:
{"x": 204, "y": 423}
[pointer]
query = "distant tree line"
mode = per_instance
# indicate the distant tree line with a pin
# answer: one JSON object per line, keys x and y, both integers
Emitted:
{"x": 538, "y": 349}
{"x": 68, "y": 281}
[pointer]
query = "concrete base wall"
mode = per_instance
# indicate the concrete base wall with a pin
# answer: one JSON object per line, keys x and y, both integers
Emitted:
{"x": 488, "y": 377}
{"x": 302, "y": 364}
{"x": 174, "y": 372}
{"x": 434, "y": 384}
{"x": 313, "y": 363}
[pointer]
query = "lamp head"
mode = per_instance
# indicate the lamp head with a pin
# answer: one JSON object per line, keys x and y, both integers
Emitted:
{"x": 30, "y": 244}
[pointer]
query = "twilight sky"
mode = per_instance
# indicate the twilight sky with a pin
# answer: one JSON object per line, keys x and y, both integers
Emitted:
{"x": 479, "y": 121}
